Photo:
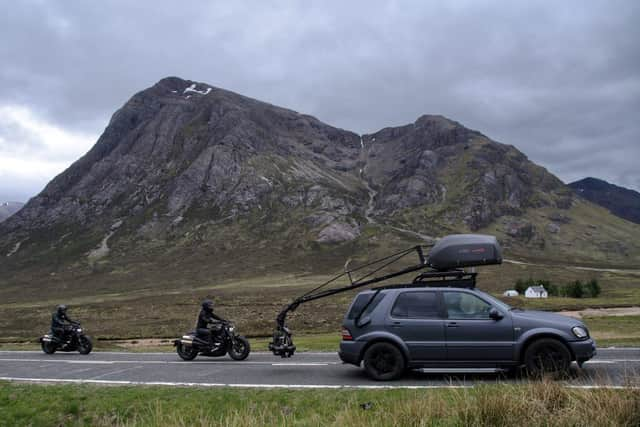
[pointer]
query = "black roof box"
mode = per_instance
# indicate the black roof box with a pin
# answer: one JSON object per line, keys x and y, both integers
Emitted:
{"x": 464, "y": 250}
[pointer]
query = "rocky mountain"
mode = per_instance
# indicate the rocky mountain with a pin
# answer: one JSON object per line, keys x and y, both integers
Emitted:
{"x": 9, "y": 208}
{"x": 189, "y": 182}
{"x": 620, "y": 201}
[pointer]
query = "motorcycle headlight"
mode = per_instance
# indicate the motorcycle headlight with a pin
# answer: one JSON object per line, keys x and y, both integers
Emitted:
{"x": 79, "y": 329}
{"x": 231, "y": 328}
{"x": 580, "y": 332}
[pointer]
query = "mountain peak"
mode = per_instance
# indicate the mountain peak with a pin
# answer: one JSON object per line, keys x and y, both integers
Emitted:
{"x": 620, "y": 201}
{"x": 435, "y": 119}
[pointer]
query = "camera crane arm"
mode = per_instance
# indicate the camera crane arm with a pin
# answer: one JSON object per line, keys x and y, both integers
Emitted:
{"x": 282, "y": 344}
{"x": 447, "y": 260}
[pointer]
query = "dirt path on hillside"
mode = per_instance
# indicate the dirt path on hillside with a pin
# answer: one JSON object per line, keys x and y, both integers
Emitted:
{"x": 575, "y": 267}
{"x": 602, "y": 312}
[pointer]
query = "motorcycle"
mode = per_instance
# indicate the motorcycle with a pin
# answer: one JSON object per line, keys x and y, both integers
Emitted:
{"x": 226, "y": 341}
{"x": 74, "y": 340}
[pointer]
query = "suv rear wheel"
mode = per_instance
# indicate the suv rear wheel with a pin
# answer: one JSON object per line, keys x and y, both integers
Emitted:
{"x": 384, "y": 361}
{"x": 547, "y": 356}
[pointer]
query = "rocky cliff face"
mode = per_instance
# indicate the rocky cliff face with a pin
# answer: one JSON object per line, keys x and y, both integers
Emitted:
{"x": 462, "y": 177}
{"x": 620, "y": 201}
{"x": 186, "y": 168}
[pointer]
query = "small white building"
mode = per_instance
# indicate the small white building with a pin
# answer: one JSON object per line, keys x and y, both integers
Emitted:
{"x": 536, "y": 292}
{"x": 510, "y": 293}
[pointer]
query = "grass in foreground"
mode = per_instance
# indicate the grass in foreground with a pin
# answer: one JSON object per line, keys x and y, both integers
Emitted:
{"x": 543, "y": 404}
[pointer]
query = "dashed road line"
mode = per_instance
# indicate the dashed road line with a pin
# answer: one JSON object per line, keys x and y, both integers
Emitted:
{"x": 168, "y": 362}
{"x": 106, "y": 374}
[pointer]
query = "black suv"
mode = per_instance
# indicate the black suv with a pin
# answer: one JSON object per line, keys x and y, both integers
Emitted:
{"x": 456, "y": 326}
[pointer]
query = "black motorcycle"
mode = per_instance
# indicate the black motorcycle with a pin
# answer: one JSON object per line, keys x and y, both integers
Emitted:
{"x": 73, "y": 340}
{"x": 226, "y": 341}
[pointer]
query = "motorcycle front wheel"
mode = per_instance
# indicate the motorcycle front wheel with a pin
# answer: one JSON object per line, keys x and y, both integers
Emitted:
{"x": 48, "y": 347}
{"x": 239, "y": 348}
{"x": 84, "y": 345}
{"x": 186, "y": 352}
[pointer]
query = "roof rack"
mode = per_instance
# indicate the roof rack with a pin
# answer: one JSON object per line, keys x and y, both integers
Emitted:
{"x": 439, "y": 279}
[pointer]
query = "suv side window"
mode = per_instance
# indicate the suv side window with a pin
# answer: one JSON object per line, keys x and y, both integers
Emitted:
{"x": 423, "y": 305}
{"x": 461, "y": 305}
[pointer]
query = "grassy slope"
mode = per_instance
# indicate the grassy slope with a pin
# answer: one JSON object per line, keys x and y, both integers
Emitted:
{"x": 593, "y": 237}
{"x": 547, "y": 404}
{"x": 255, "y": 302}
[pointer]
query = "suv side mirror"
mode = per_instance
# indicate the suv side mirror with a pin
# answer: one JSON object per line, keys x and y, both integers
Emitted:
{"x": 495, "y": 314}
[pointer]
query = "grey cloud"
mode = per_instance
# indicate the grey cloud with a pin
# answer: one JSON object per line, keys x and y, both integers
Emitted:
{"x": 561, "y": 81}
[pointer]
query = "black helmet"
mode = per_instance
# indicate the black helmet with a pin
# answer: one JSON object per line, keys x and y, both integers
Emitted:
{"x": 62, "y": 308}
{"x": 207, "y": 305}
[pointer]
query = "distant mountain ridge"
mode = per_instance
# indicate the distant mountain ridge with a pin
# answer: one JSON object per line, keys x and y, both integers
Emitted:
{"x": 9, "y": 208}
{"x": 193, "y": 181}
{"x": 620, "y": 201}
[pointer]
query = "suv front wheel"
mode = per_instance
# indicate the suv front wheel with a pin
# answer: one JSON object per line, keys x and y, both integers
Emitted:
{"x": 384, "y": 361}
{"x": 547, "y": 356}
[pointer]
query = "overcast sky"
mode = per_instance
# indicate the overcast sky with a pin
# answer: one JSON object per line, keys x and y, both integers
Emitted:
{"x": 559, "y": 80}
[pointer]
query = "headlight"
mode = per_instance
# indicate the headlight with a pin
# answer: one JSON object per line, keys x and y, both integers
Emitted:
{"x": 79, "y": 330}
{"x": 580, "y": 332}
{"x": 231, "y": 329}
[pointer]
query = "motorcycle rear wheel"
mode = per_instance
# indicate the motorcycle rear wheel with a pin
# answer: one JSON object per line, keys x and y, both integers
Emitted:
{"x": 186, "y": 352}
{"x": 239, "y": 348}
{"x": 48, "y": 347}
{"x": 85, "y": 345}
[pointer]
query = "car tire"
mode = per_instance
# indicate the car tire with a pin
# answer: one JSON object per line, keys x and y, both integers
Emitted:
{"x": 383, "y": 361}
{"x": 547, "y": 356}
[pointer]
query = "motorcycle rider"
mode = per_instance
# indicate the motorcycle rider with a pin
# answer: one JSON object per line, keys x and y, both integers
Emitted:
{"x": 61, "y": 323}
{"x": 205, "y": 318}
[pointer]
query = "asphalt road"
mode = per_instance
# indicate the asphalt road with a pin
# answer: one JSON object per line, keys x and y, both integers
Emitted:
{"x": 611, "y": 367}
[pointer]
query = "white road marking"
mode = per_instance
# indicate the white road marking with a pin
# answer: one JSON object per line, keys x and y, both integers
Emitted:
{"x": 191, "y": 384}
{"x": 615, "y": 387}
{"x": 165, "y": 353}
{"x": 80, "y": 362}
{"x": 589, "y": 362}
{"x": 277, "y": 386}
{"x": 303, "y": 364}
{"x": 167, "y": 362}
{"x": 76, "y": 371}
{"x": 119, "y": 371}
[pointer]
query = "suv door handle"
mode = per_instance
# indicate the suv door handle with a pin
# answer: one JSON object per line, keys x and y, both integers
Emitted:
{"x": 396, "y": 324}
{"x": 452, "y": 325}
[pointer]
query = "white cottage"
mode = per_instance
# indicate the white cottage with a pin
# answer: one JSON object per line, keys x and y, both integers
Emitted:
{"x": 510, "y": 293}
{"x": 536, "y": 292}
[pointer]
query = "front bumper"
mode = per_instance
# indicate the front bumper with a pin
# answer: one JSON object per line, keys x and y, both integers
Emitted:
{"x": 583, "y": 350}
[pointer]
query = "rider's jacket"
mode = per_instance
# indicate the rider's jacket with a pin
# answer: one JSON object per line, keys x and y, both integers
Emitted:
{"x": 59, "y": 320}
{"x": 206, "y": 317}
